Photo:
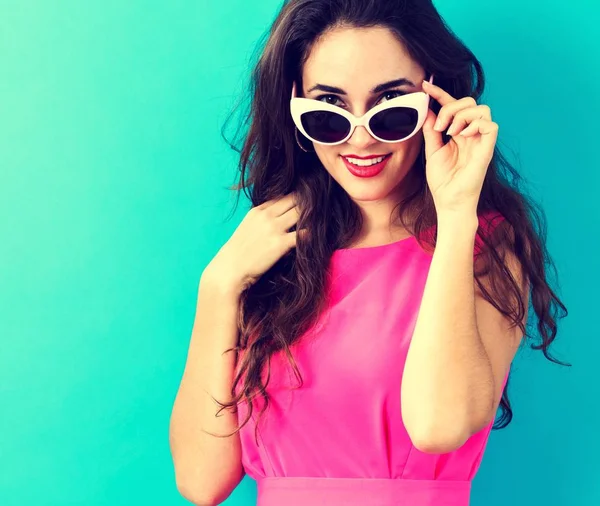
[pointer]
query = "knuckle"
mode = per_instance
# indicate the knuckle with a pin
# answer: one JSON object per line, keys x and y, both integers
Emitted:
{"x": 268, "y": 213}
{"x": 486, "y": 111}
{"x": 460, "y": 115}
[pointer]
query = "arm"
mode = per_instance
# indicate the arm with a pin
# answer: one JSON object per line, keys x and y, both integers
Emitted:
{"x": 461, "y": 348}
{"x": 207, "y": 468}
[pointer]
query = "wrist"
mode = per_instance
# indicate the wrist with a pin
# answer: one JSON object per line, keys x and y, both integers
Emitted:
{"x": 457, "y": 225}
{"x": 223, "y": 282}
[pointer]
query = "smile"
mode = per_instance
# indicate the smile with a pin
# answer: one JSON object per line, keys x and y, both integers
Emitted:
{"x": 366, "y": 168}
{"x": 365, "y": 163}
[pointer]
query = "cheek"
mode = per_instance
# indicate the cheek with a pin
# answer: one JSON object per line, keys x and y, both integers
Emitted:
{"x": 406, "y": 153}
{"x": 407, "y": 148}
{"x": 328, "y": 155}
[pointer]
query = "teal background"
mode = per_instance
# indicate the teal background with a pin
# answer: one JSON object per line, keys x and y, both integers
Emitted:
{"x": 113, "y": 198}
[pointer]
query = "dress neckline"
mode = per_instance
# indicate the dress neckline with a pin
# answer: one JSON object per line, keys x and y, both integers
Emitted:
{"x": 379, "y": 247}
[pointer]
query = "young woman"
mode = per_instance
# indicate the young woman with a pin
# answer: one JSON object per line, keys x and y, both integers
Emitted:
{"x": 364, "y": 315}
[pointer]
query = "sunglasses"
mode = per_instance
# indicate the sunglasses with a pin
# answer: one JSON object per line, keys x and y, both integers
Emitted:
{"x": 395, "y": 120}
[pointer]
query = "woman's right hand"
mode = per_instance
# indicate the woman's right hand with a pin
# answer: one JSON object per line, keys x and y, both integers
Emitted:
{"x": 259, "y": 241}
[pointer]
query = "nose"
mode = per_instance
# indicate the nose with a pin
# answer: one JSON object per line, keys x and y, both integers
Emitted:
{"x": 361, "y": 138}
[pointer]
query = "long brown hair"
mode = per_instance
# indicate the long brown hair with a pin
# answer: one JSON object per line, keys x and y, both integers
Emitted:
{"x": 288, "y": 299}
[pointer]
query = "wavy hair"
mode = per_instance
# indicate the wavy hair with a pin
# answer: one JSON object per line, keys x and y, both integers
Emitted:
{"x": 287, "y": 300}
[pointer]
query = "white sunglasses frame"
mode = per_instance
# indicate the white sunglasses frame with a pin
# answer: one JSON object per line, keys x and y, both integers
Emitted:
{"x": 418, "y": 100}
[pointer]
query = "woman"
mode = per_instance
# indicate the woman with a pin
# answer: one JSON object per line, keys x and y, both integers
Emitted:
{"x": 369, "y": 305}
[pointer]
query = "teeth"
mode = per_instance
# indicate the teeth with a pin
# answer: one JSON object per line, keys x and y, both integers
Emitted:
{"x": 365, "y": 163}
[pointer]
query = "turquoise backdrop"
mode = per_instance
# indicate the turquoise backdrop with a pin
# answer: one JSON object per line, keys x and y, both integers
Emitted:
{"x": 113, "y": 199}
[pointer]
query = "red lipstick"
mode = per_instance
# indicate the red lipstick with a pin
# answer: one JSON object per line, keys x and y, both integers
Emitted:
{"x": 369, "y": 171}
{"x": 364, "y": 157}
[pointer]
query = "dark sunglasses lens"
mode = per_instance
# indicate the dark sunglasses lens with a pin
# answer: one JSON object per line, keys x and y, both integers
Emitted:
{"x": 325, "y": 126}
{"x": 395, "y": 123}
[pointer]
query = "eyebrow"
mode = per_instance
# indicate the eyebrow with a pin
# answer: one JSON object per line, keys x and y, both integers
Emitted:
{"x": 378, "y": 89}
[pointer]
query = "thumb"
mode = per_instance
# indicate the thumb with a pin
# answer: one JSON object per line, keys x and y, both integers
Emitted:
{"x": 433, "y": 139}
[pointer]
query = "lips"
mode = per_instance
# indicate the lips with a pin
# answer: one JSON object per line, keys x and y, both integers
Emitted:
{"x": 369, "y": 170}
{"x": 366, "y": 161}
{"x": 365, "y": 157}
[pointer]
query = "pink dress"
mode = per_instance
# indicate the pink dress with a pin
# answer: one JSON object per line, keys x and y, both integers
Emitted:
{"x": 339, "y": 439}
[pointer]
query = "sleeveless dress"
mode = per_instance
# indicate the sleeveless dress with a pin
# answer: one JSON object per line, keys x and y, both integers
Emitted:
{"x": 339, "y": 439}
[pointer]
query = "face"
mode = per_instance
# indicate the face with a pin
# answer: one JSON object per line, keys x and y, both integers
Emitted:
{"x": 356, "y": 60}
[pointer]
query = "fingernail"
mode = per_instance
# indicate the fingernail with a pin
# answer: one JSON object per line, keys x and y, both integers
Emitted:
{"x": 438, "y": 125}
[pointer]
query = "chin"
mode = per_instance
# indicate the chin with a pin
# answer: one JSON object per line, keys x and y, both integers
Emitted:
{"x": 367, "y": 194}
{"x": 370, "y": 188}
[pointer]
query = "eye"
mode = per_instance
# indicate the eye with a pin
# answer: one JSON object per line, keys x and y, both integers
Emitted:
{"x": 326, "y": 97}
{"x": 388, "y": 95}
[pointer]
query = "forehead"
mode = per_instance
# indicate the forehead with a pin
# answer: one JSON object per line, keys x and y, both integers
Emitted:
{"x": 357, "y": 59}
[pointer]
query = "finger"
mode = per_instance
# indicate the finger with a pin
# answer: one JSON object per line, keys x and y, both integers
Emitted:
{"x": 293, "y": 237}
{"x": 463, "y": 118}
{"x": 281, "y": 205}
{"x": 290, "y": 218}
{"x": 447, "y": 112}
{"x": 303, "y": 234}
{"x": 438, "y": 93}
{"x": 481, "y": 127}
{"x": 433, "y": 140}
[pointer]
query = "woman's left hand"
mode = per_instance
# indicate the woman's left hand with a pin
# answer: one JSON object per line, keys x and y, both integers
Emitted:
{"x": 456, "y": 170}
